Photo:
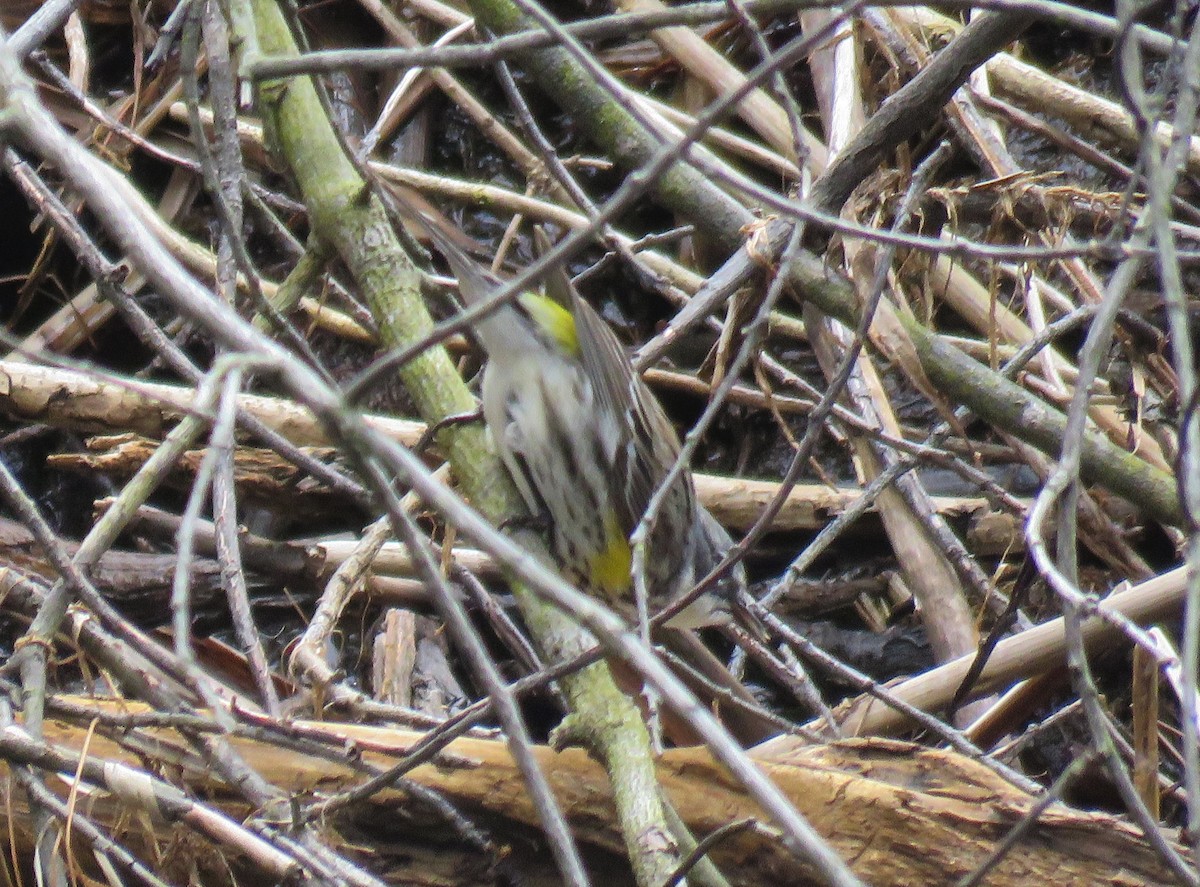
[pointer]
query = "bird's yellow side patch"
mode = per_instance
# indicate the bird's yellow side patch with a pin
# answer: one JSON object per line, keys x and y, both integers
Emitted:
{"x": 553, "y": 320}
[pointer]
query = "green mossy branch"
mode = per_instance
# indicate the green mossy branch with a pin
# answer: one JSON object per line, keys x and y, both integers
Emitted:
{"x": 349, "y": 218}
{"x": 1010, "y": 407}
{"x": 720, "y": 220}
{"x": 1001, "y": 403}
{"x": 681, "y": 188}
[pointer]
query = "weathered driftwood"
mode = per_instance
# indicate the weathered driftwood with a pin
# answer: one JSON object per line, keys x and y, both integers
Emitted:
{"x": 81, "y": 402}
{"x": 261, "y": 475}
{"x": 899, "y": 813}
{"x": 134, "y": 579}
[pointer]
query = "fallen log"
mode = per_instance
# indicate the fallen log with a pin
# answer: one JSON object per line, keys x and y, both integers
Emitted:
{"x": 900, "y": 813}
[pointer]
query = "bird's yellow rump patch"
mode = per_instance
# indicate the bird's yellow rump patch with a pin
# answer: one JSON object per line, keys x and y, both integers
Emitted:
{"x": 609, "y": 569}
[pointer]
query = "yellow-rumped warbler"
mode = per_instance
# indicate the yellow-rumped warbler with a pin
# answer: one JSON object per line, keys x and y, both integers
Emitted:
{"x": 587, "y": 444}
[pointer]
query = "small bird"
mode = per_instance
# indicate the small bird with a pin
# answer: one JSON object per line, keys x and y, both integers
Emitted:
{"x": 587, "y": 445}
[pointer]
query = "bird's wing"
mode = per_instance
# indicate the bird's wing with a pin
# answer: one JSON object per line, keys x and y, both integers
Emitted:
{"x": 637, "y": 436}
